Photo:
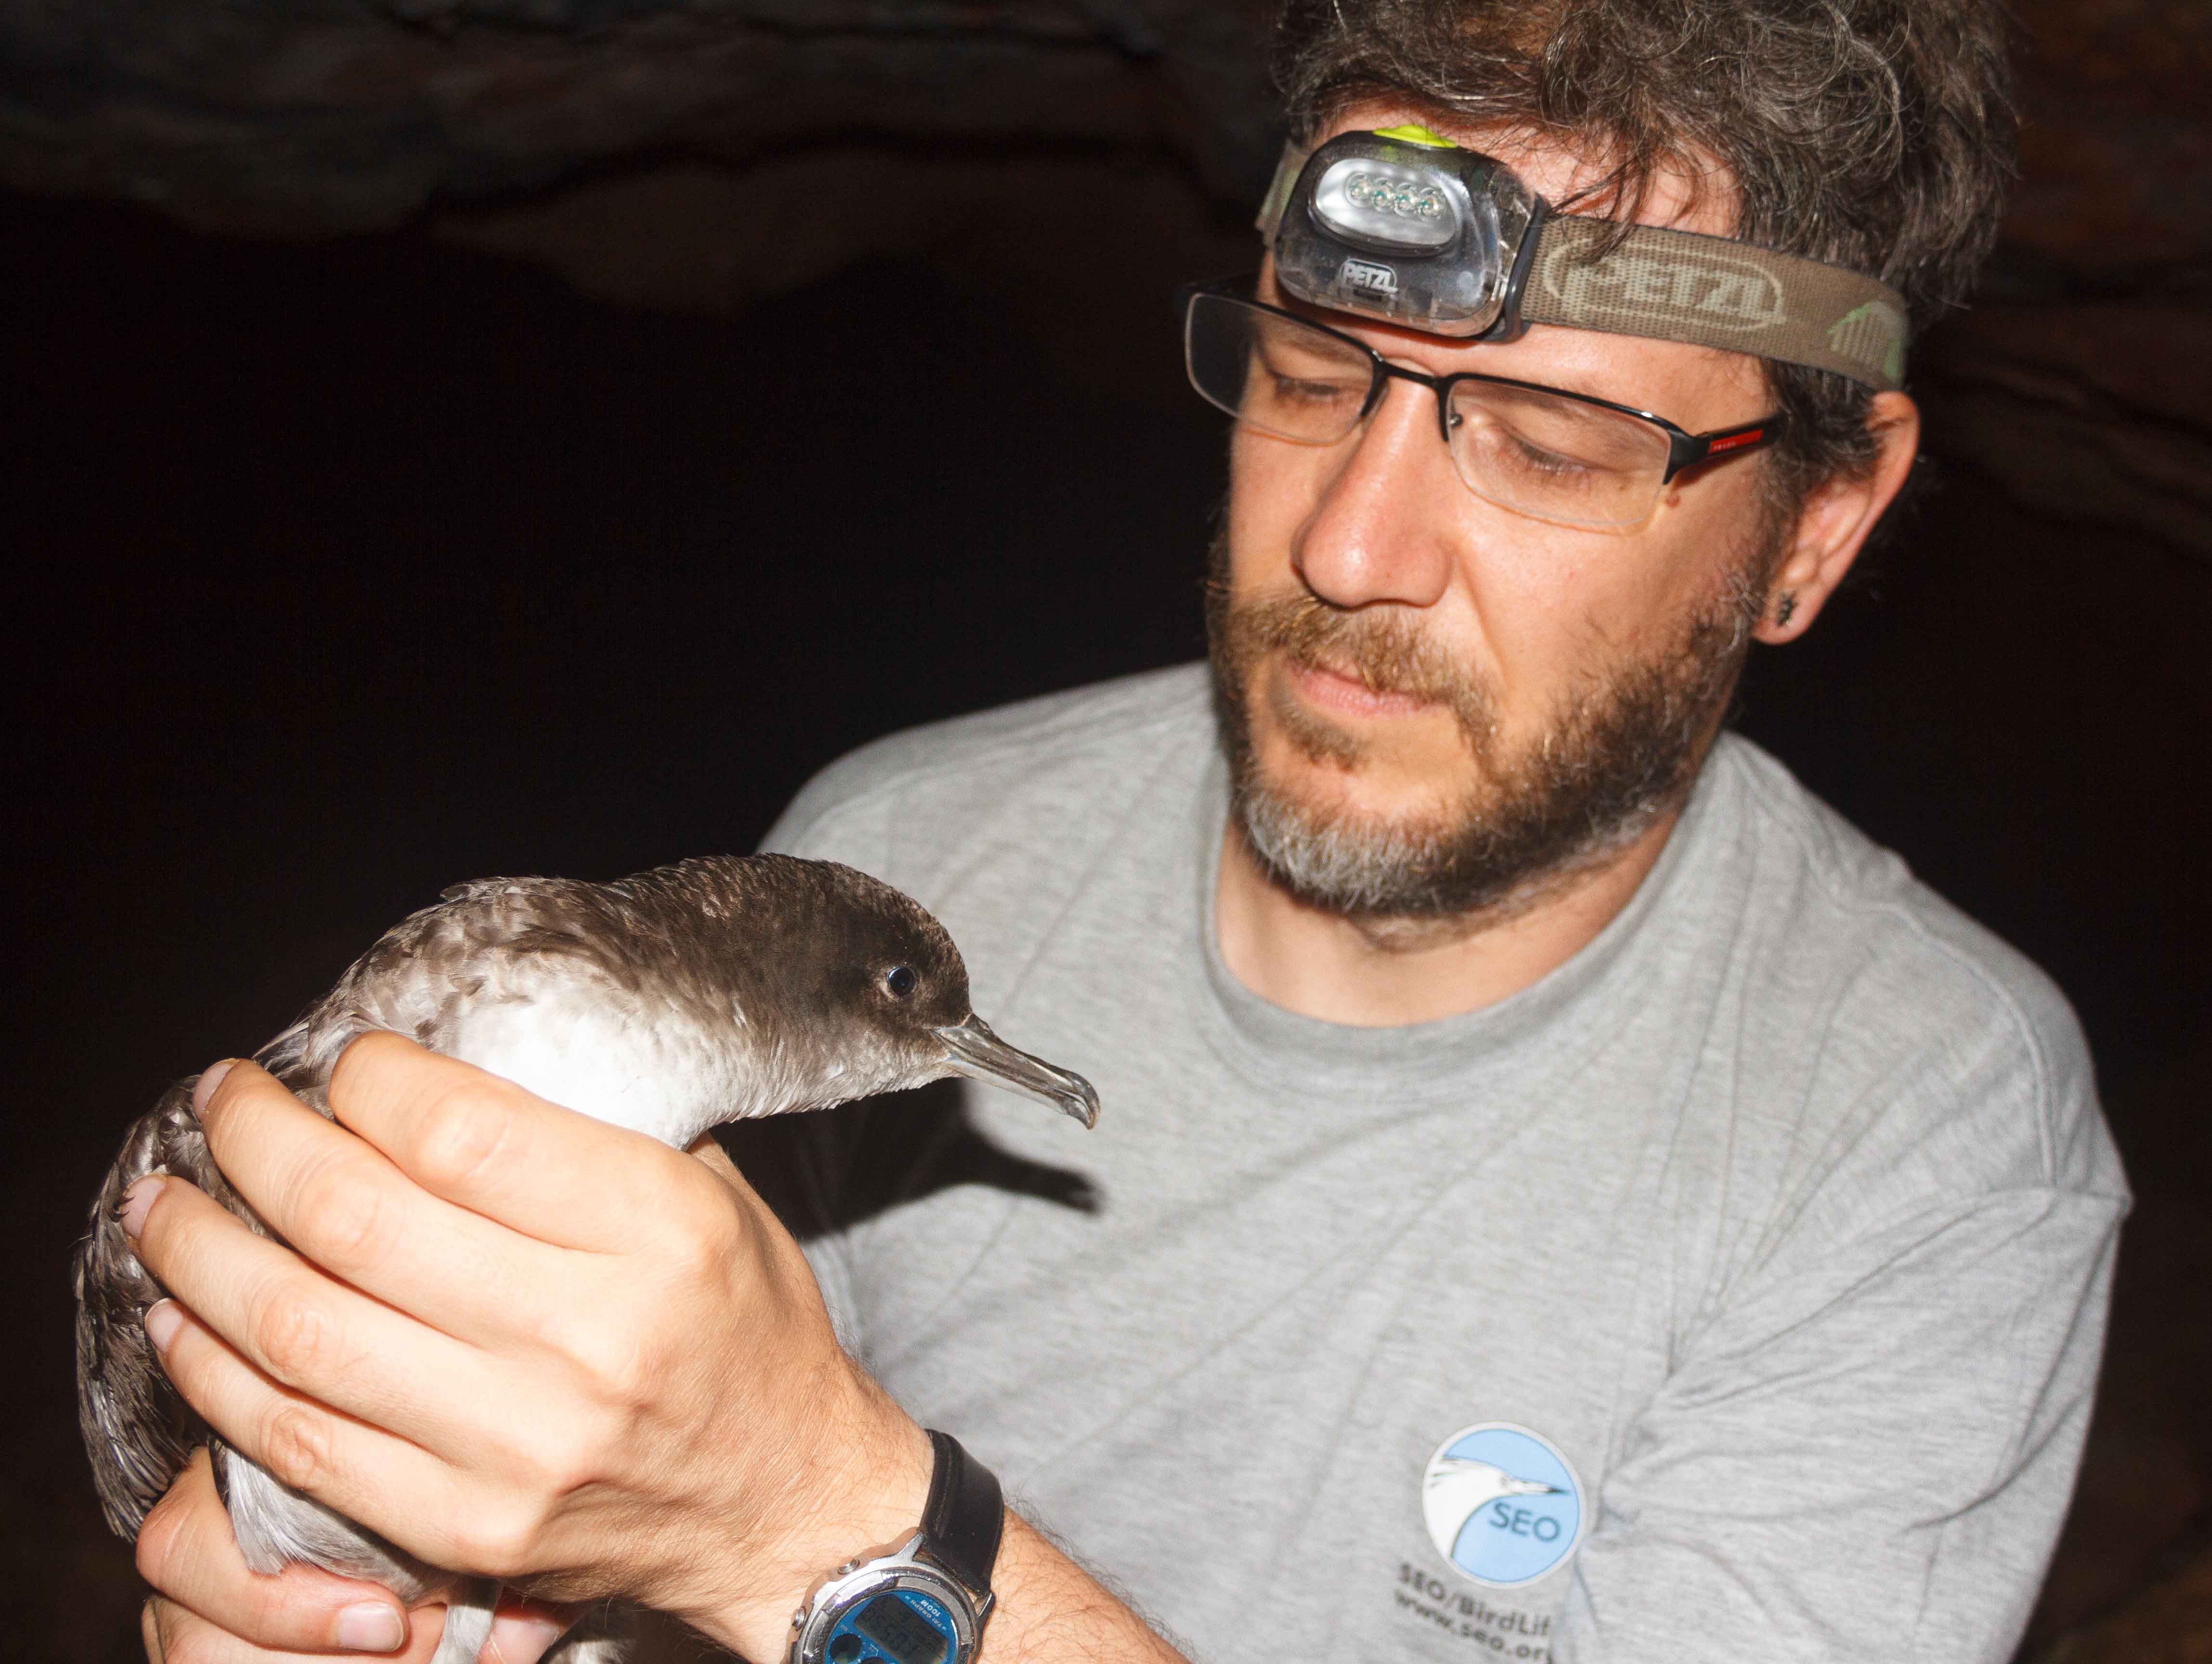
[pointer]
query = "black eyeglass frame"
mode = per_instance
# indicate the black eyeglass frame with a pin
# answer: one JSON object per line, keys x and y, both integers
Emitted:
{"x": 1684, "y": 448}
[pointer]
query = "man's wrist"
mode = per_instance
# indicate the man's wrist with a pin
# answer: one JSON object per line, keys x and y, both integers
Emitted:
{"x": 865, "y": 1488}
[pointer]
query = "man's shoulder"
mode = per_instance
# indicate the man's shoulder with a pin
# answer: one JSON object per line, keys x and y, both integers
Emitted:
{"x": 1849, "y": 899}
{"x": 1044, "y": 757}
{"x": 1908, "y": 994}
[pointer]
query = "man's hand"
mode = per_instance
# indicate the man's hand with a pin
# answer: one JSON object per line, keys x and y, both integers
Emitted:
{"x": 213, "y": 1609}
{"x": 515, "y": 1341}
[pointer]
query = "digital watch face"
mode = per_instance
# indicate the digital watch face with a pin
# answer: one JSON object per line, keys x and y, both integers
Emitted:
{"x": 904, "y": 1626}
{"x": 895, "y": 1624}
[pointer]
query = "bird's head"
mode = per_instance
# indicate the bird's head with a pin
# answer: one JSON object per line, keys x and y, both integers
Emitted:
{"x": 876, "y": 992}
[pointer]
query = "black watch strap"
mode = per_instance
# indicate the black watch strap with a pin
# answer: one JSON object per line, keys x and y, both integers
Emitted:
{"x": 961, "y": 1522}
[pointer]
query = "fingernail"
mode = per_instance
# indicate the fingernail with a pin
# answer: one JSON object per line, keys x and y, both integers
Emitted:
{"x": 371, "y": 1627}
{"x": 203, "y": 1088}
{"x": 137, "y": 1203}
{"x": 522, "y": 1638}
{"x": 163, "y": 1320}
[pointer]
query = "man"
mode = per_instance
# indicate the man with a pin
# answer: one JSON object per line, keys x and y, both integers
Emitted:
{"x": 1562, "y": 1193}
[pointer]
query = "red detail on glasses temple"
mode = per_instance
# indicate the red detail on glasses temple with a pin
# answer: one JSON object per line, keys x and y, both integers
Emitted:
{"x": 1733, "y": 440}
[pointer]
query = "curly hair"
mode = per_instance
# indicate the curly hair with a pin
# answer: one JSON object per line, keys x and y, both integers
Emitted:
{"x": 1872, "y": 134}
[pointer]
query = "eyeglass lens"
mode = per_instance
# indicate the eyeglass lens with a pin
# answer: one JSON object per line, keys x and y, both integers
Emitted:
{"x": 1534, "y": 453}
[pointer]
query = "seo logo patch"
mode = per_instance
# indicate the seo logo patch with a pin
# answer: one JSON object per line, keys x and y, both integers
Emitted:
{"x": 1502, "y": 1504}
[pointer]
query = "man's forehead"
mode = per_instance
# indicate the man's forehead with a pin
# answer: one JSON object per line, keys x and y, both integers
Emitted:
{"x": 1700, "y": 386}
{"x": 1558, "y": 169}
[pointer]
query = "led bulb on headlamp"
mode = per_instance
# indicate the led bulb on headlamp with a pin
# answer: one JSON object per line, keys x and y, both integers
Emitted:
{"x": 1388, "y": 206}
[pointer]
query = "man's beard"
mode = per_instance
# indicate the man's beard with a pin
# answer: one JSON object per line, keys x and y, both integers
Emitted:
{"x": 1623, "y": 752}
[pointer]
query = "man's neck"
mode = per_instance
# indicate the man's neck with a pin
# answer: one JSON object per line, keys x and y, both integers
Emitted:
{"x": 1383, "y": 974}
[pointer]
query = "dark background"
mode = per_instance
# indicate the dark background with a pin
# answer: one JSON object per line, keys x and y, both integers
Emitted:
{"x": 348, "y": 566}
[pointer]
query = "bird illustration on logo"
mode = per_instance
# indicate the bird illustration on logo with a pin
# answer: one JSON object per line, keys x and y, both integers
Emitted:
{"x": 1501, "y": 1504}
{"x": 1457, "y": 1486}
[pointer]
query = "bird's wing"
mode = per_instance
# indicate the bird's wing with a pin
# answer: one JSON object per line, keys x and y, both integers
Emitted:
{"x": 423, "y": 977}
{"x": 137, "y": 1430}
{"x": 1449, "y": 1467}
{"x": 1507, "y": 1485}
{"x": 532, "y": 980}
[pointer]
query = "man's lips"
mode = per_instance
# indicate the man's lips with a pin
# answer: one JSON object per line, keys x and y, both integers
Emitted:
{"x": 1331, "y": 689}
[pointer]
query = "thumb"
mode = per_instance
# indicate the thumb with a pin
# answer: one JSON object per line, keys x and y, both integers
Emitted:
{"x": 522, "y": 1631}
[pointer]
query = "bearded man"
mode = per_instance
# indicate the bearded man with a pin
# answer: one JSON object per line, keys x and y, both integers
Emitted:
{"x": 1564, "y": 1192}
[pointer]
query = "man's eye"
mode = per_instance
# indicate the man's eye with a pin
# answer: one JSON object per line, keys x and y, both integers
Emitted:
{"x": 901, "y": 980}
{"x": 1293, "y": 390}
{"x": 1524, "y": 456}
{"x": 1550, "y": 462}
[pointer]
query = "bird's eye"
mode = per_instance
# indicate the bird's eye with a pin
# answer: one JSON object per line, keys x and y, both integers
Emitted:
{"x": 901, "y": 980}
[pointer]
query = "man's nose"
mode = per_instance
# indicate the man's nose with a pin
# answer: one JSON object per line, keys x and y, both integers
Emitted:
{"x": 1379, "y": 530}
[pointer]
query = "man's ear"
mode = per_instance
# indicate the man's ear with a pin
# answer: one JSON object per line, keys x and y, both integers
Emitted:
{"x": 1834, "y": 524}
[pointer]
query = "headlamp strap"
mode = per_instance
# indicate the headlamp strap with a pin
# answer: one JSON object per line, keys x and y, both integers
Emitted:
{"x": 1715, "y": 292}
{"x": 1277, "y": 198}
{"x": 1684, "y": 286}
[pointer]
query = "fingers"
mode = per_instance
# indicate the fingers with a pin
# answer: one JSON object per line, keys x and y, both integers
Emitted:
{"x": 212, "y": 1608}
{"x": 342, "y": 1204}
{"x": 494, "y": 1148}
{"x": 386, "y": 1482}
{"x": 174, "y": 1634}
{"x": 523, "y": 1631}
{"x": 187, "y": 1552}
{"x": 298, "y": 1326}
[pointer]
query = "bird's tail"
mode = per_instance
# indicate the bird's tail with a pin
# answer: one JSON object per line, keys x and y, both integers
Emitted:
{"x": 468, "y": 1621}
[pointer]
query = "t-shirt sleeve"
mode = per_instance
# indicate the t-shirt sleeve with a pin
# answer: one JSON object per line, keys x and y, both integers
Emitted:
{"x": 1866, "y": 1447}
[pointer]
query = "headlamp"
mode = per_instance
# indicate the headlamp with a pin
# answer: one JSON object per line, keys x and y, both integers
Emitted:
{"x": 1404, "y": 226}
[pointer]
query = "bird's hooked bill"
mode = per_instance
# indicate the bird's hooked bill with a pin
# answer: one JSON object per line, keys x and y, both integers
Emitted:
{"x": 976, "y": 1051}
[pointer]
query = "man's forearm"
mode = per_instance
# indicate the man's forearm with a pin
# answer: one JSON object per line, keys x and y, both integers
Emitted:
{"x": 1051, "y": 1610}
{"x": 1048, "y": 1609}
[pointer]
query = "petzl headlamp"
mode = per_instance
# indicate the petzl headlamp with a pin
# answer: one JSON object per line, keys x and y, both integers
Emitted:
{"x": 1405, "y": 226}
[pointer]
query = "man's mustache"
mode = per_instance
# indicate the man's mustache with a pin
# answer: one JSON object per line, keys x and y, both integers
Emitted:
{"x": 1379, "y": 647}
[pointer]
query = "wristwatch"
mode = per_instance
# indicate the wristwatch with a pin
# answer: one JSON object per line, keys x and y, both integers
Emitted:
{"x": 925, "y": 1600}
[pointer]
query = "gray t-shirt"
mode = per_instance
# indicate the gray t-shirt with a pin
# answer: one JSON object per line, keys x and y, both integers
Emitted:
{"x": 1734, "y": 1291}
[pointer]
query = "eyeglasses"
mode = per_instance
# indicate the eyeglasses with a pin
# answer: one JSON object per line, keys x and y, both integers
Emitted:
{"x": 1558, "y": 456}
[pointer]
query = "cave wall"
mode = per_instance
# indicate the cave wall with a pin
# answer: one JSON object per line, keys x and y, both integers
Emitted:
{"x": 297, "y": 117}
{"x": 703, "y": 154}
